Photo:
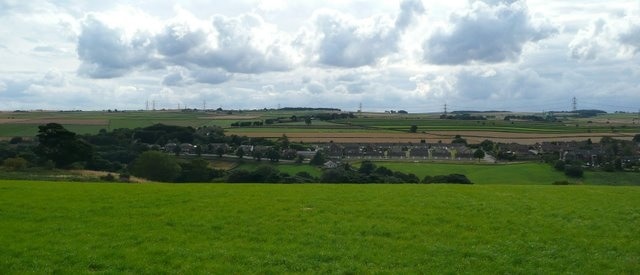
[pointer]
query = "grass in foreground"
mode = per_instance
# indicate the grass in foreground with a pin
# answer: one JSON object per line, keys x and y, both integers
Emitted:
{"x": 157, "y": 228}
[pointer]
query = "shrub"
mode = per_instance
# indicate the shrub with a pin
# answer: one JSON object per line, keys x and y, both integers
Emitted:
{"x": 108, "y": 177}
{"x": 154, "y": 165}
{"x": 561, "y": 182}
{"x": 574, "y": 171}
{"x": 452, "y": 178}
{"x": 124, "y": 177}
{"x": 559, "y": 165}
{"x": 15, "y": 163}
{"x": 16, "y": 140}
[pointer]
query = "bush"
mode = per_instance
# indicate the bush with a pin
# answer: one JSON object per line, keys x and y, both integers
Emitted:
{"x": 15, "y": 163}
{"x": 574, "y": 171}
{"x": 108, "y": 177}
{"x": 561, "y": 182}
{"x": 154, "y": 165}
{"x": 16, "y": 140}
{"x": 124, "y": 177}
{"x": 559, "y": 165}
{"x": 452, "y": 178}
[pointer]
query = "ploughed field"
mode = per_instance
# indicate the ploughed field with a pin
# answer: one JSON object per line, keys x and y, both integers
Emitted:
{"x": 48, "y": 227}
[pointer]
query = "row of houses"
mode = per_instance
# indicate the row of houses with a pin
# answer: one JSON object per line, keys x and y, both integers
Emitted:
{"x": 397, "y": 151}
{"x": 584, "y": 151}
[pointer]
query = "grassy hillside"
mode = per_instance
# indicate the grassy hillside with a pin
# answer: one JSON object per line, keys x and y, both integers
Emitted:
{"x": 158, "y": 228}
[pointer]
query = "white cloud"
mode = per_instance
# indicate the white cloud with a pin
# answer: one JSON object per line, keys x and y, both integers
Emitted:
{"x": 255, "y": 54}
{"x": 343, "y": 41}
{"x": 588, "y": 43}
{"x": 486, "y": 34}
{"x": 107, "y": 52}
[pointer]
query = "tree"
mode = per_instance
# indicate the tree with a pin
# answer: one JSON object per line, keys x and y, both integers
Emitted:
{"x": 219, "y": 151}
{"x": 307, "y": 120}
{"x": 559, "y": 165}
{"x": 383, "y": 171}
{"x": 257, "y": 155}
{"x": 318, "y": 159}
{"x": 636, "y": 138}
{"x": 487, "y": 145}
{"x": 284, "y": 141}
{"x": 459, "y": 140}
{"x": 157, "y": 166}
{"x": 273, "y": 155}
{"x": 196, "y": 170}
{"x": 367, "y": 167}
{"x": 61, "y": 146}
{"x": 413, "y": 129}
{"x": 478, "y": 154}
{"x": 240, "y": 152}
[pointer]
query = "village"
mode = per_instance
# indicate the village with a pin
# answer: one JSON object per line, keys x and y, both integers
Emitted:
{"x": 589, "y": 154}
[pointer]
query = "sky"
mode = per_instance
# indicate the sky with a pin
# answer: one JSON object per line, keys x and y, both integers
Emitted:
{"x": 384, "y": 55}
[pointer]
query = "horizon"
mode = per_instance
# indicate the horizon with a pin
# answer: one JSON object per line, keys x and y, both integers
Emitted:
{"x": 516, "y": 55}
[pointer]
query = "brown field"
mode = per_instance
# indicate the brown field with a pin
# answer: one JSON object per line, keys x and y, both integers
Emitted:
{"x": 229, "y": 117}
{"x": 41, "y": 121}
{"x": 432, "y": 137}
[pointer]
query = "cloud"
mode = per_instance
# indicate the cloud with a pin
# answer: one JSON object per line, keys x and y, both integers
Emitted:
{"x": 588, "y": 43}
{"x": 178, "y": 38}
{"x": 630, "y": 37}
{"x": 243, "y": 44}
{"x": 340, "y": 40}
{"x": 173, "y": 79}
{"x": 246, "y": 44}
{"x": 107, "y": 52}
{"x": 612, "y": 37}
{"x": 315, "y": 87}
{"x": 210, "y": 76}
{"x": 485, "y": 34}
{"x": 409, "y": 9}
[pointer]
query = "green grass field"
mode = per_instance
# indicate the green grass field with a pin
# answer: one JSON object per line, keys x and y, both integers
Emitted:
{"x": 396, "y": 229}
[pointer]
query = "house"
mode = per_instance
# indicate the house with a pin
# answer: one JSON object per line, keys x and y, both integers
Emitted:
{"x": 330, "y": 165}
{"x": 170, "y": 147}
{"x": 420, "y": 152}
{"x": 306, "y": 154}
{"x": 187, "y": 148}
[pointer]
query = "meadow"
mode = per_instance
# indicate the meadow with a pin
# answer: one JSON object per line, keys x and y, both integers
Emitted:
{"x": 246, "y": 228}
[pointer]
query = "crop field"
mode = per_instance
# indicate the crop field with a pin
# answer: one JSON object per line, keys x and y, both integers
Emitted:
{"x": 246, "y": 228}
{"x": 366, "y": 127}
{"x": 387, "y": 136}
